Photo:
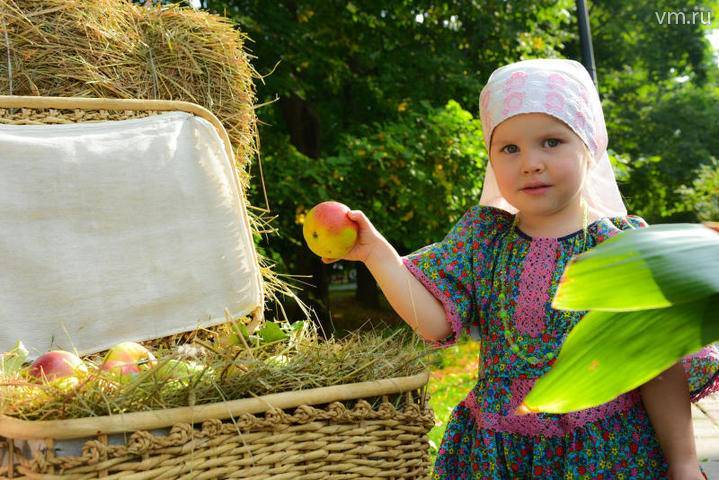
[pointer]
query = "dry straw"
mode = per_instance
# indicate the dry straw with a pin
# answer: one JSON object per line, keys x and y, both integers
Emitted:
{"x": 117, "y": 49}
{"x": 222, "y": 372}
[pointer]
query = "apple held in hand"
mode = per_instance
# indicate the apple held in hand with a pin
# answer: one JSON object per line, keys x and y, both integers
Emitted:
{"x": 57, "y": 364}
{"x": 128, "y": 358}
{"x": 328, "y": 231}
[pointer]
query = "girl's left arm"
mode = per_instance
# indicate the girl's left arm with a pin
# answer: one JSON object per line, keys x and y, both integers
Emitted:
{"x": 666, "y": 399}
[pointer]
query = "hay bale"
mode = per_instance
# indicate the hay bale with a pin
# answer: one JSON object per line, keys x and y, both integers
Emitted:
{"x": 117, "y": 49}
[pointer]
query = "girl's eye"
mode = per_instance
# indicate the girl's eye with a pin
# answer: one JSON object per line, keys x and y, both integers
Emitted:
{"x": 554, "y": 139}
{"x": 547, "y": 140}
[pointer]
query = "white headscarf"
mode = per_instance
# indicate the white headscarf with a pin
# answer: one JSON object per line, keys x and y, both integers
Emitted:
{"x": 563, "y": 89}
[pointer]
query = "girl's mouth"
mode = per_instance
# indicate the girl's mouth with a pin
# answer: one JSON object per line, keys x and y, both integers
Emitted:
{"x": 536, "y": 190}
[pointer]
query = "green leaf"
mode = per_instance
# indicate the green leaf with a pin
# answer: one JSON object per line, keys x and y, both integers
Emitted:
{"x": 11, "y": 362}
{"x": 652, "y": 267}
{"x": 298, "y": 326}
{"x": 240, "y": 329}
{"x": 271, "y": 332}
{"x": 610, "y": 353}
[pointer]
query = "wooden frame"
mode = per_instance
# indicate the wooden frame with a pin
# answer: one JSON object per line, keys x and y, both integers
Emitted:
{"x": 127, "y": 422}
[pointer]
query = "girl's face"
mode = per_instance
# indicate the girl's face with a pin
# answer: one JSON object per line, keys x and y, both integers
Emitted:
{"x": 536, "y": 147}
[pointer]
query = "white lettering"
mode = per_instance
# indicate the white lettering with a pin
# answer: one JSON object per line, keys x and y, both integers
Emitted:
{"x": 682, "y": 18}
{"x": 676, "y": 17}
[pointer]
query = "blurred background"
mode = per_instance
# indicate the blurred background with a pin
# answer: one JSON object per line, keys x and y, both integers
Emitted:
{"x": 375, "y": 104}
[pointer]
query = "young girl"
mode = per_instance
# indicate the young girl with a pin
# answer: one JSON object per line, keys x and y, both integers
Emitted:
{"x": 549, "y": 194}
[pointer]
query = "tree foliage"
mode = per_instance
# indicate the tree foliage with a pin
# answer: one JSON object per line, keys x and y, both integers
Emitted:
{"x": 393, "y": 172}
{"x": 357, "y": 95}
{"x": 679, "y": 134}
{"x": 702, "y": 196}
{"x": 389, "y": 173}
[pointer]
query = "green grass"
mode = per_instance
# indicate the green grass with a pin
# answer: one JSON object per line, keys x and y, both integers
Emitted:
{"x": 453, "y": 371}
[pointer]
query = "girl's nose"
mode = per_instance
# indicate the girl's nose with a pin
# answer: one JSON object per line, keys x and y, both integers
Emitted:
{"x": 534, "y": 168}
{"x": 532, "y": 163}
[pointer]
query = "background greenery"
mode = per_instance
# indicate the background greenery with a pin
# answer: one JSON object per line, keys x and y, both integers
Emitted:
{"x": 375, "y": 104}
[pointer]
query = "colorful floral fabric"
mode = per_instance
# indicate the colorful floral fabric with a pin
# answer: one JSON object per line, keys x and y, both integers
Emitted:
{"x": 484, "y": 439}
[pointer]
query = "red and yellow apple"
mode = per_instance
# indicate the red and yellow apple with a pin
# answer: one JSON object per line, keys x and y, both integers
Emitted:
{"x": 57, "y": 364}
{"x": 128, "y": 358}
{"x": 328, "y": 230}
{"x": 120, "y": 367}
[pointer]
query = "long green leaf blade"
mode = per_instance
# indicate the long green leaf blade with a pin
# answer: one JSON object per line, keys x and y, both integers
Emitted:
{"x": 647, "y": 268}
{"x": 610, "y": 353}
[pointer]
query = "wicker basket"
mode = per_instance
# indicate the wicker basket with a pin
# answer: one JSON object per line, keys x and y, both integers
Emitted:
{"x": 309, "y": 434}
{"x": 365, "y": 430}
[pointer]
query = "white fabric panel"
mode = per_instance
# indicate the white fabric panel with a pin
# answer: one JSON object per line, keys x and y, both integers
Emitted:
{"x": 119, "y": 230}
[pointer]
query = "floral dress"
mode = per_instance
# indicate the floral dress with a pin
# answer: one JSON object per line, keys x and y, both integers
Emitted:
{"x": 484, "y": 439}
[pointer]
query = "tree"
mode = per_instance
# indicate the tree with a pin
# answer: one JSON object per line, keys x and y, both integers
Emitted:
{"x": 389, "y": 173}
{"x": 658, "y": 87}
{"x": 338, "y": 66}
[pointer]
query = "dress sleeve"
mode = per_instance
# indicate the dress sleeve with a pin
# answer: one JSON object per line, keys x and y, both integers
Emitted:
{"x": 634, "y": 221}
{"x": 702, "y": 367}
{"x": 447, "y": 269}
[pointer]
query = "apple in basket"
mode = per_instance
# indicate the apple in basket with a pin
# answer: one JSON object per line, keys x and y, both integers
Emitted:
{"x": 177, "y": 370}
{"x": 59, "y": 367}
{"x": 328, "y": 230}
{"x": 128, "y": 358}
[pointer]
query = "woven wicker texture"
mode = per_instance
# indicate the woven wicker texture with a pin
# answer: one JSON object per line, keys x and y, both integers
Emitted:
{"x": 26, "y": 116}
{"x": 310, "y": 443}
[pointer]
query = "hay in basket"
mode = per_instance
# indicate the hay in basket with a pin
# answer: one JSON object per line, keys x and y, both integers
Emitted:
{"x": 313, "y": 437}
{"x": 291, "y": 409}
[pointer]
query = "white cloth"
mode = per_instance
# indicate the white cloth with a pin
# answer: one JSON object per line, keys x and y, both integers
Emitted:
{"x": 563, "y": 89}
{"x": 119, "y": 230}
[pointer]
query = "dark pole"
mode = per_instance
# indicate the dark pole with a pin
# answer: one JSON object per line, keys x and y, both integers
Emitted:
{"x": 585, "y": 40}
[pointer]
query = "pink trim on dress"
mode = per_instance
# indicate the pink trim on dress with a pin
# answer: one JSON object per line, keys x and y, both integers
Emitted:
{"x": 534, "y": 425}
{"x": 534, "y": 283}
{"x": 452, "y": 316}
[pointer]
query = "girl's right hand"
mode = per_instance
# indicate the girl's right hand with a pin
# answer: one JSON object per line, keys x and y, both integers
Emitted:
{"x": 368, "y": 239}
